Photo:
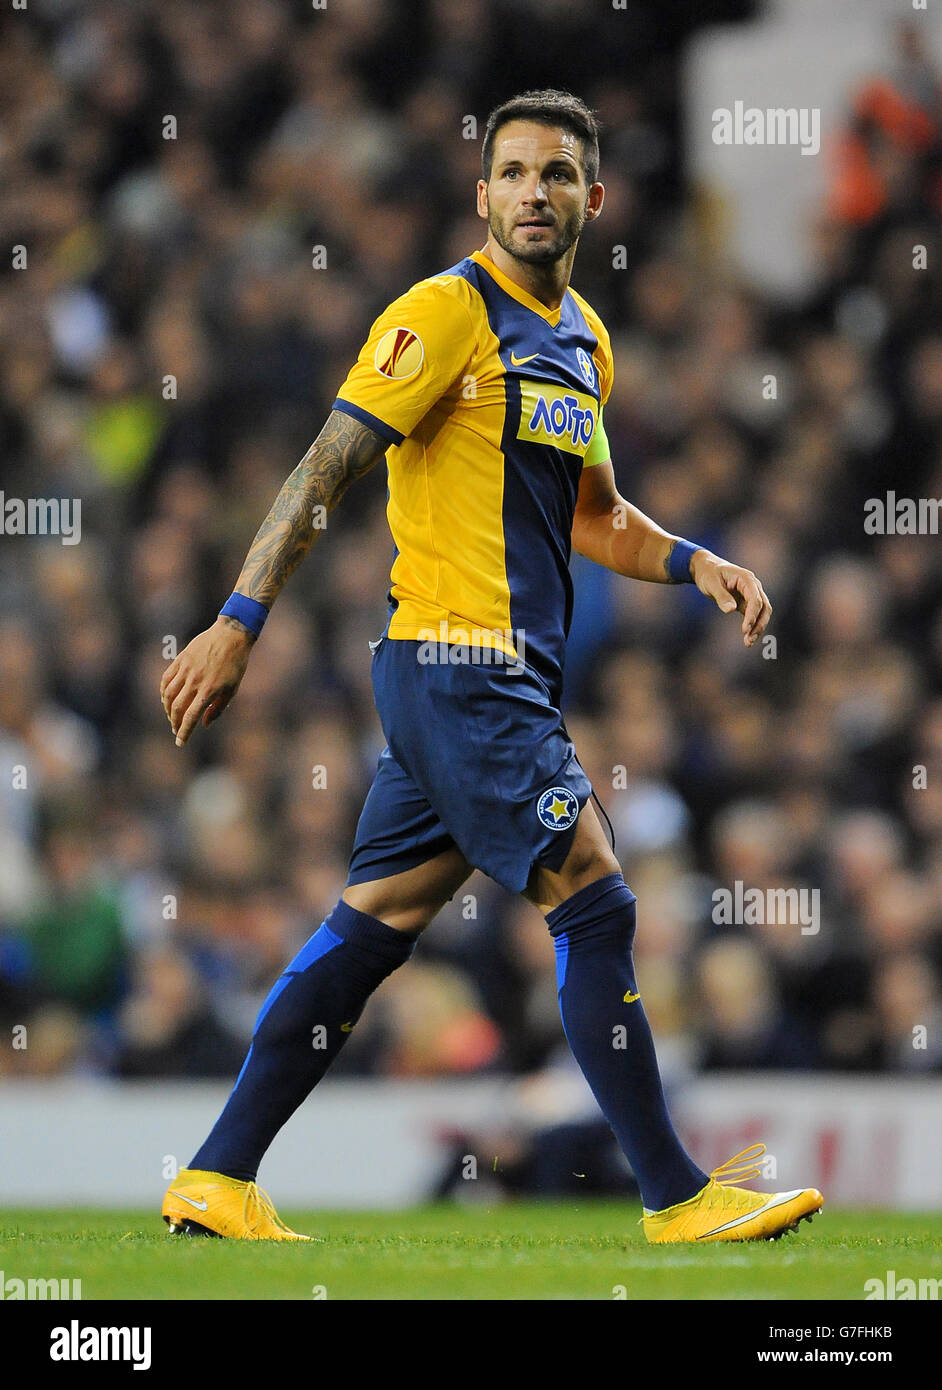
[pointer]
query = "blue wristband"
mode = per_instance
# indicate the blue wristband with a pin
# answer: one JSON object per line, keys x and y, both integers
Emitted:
{"x": 678, "y": 565}
{"x": 248, "y": 611}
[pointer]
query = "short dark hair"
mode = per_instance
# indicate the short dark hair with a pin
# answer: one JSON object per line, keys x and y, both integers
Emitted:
{"x": 550, "y": 107}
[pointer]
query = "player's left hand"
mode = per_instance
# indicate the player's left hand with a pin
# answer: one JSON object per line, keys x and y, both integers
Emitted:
{"x": 731, "y": 587}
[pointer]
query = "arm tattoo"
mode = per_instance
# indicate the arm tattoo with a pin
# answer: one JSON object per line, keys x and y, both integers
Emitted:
{"x": 667, "y": 561}
{"x": 342, "y": 452}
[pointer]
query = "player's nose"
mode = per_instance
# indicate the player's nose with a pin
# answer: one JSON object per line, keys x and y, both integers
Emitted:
{"x": 534, "y": 193}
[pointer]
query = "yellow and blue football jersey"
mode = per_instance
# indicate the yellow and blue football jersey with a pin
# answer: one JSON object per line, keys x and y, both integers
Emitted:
{"x": 492, "y": 405}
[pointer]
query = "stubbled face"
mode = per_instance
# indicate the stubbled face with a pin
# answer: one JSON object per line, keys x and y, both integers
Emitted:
{"x": 537, "y": 201}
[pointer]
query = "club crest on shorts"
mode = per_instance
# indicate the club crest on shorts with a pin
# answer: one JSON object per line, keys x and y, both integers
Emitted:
{"x": 399, "y": 354}
{"x": 557, "y": 808}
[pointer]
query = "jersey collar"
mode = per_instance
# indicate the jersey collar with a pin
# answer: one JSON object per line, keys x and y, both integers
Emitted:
{"x": 550, "y": 315}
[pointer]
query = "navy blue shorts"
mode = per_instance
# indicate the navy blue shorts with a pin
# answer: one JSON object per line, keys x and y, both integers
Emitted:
{"x": 477, "y": 757}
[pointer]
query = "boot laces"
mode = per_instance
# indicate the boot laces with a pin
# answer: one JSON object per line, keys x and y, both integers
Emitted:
{"x": 741, "y": 1167}
{"x": 256, "y": 1197}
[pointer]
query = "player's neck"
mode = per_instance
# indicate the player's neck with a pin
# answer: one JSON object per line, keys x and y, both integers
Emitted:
{"x": 547, "y": 283}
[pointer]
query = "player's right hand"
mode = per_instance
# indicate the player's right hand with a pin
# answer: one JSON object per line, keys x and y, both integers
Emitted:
{"x": 202, "y": 680}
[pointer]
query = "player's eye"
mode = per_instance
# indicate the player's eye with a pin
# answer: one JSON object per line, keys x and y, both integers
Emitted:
{"x": 511, "y": 173}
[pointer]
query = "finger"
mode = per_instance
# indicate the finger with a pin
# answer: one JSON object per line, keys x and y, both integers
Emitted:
{"x": 190, "y": 720}
{"x": 761, "y": 624}
{"x": 172, "y": 671}
{"x": 171, "y": 690}
{"x": 215, "y": 708}
{"x": 765, "y": 612}
{"x": 722, "y": 597}
{"x": 181, "y": 704}
{"x": 765, "y": 617}
{"x": 753, "y": 596}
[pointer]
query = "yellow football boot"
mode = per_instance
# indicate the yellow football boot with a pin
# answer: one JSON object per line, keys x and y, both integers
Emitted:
{"x": 210, "y": 1204}
{"x": 720, "y": 1211}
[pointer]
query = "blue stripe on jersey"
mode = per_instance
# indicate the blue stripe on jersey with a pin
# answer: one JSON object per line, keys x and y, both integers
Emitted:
{"x": 541, "y": 482}
{"x": 540, "y": 489}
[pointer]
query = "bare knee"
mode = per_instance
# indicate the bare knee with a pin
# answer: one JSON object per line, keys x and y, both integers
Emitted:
{"x": 548, "y": 890}
{"x": 409, "y": 901}
{"x": 590, "y": 858}
{"x": 405, "y": 916}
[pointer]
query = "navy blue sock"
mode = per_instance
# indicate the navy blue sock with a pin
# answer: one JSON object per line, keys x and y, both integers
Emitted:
{"x": 303, "y": 1024}
{"x": 611, "y": 1039}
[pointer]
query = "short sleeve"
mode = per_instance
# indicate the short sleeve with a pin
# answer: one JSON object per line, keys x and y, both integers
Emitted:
{"x": 598, "y": 450}
{"x": 605, "y": 364}
{"x": 415, "y": 350}
{"x": 602, "y": 354}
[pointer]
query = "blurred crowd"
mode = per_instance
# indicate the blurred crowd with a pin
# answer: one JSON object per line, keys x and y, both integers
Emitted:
{"x": 187, "y": 310}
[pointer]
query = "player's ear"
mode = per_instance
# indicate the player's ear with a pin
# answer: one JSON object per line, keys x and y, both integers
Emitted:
{"x": 594, "y": 201}
{"x": 482, "y": 198}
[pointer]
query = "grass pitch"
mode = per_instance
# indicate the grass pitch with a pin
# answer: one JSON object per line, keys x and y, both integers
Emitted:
{"x": 584, "y": 1250}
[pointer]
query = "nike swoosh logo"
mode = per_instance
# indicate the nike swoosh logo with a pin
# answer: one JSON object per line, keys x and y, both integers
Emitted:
{"x": 346, "y": 1027}
{"x": 778, "y": 1199}
{"x": 630, "y": 998}
{"x": 516, "y": 361}
{"x": 200, "y": 1206}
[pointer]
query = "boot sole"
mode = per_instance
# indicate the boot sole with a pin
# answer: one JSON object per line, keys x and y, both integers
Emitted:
{"x": 185, "y": 1227}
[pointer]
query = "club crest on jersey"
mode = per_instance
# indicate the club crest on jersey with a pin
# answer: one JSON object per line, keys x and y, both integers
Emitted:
{"x": 553, "y": 415}
{"x": 586, "y": 367}
{"x": 399, "y": 354}
{"x": 557, "y": 808}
